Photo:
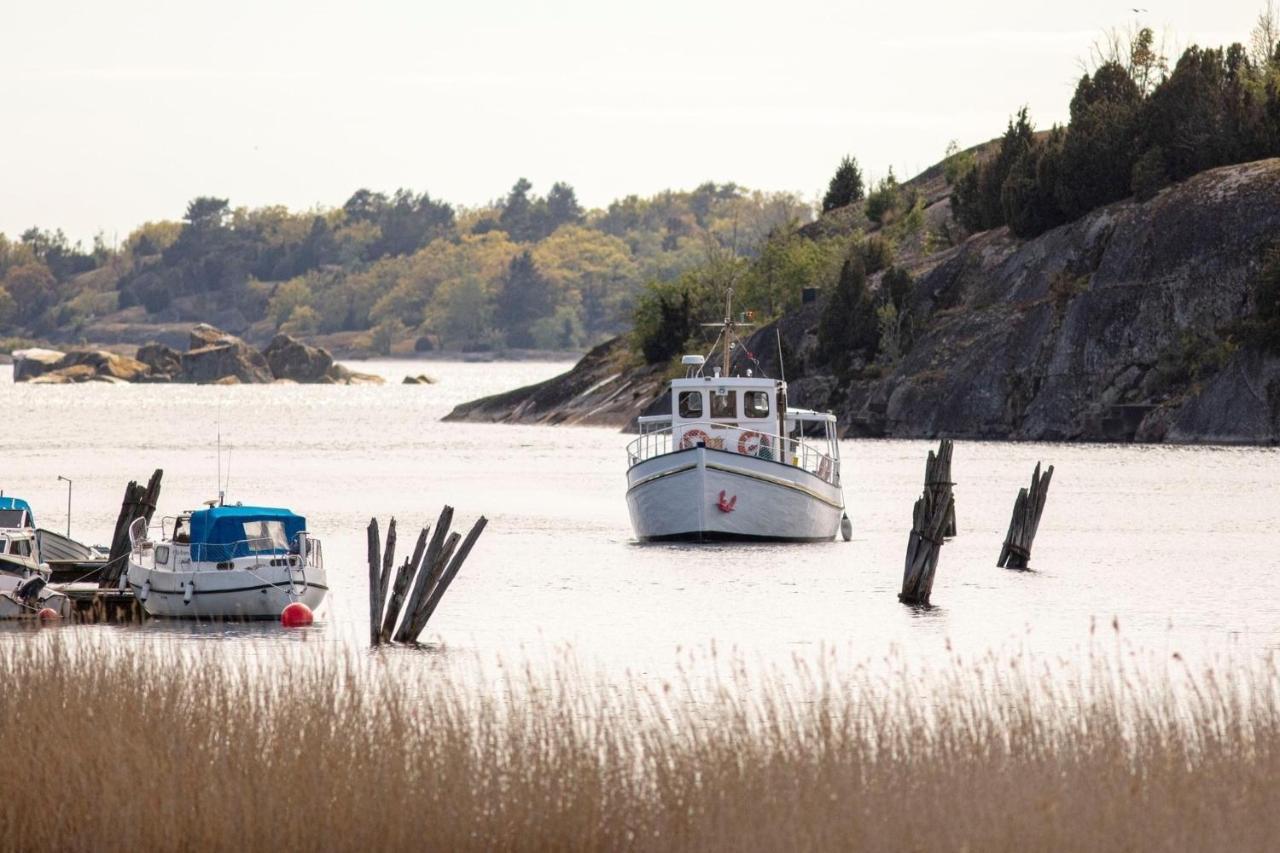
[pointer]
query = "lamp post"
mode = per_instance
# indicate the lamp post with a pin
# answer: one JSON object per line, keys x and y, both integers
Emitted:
{"x": 68, "y": 479}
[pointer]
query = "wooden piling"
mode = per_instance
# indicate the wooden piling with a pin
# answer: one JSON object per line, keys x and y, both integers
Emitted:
{"x": 1027, "y": 509}
{"x": 937, "y": 476}
{"x": 375, "y": 582}
{"x": 924, "y": 545}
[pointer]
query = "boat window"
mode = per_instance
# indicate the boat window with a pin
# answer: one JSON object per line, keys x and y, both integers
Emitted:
{"x": 265, "y": 535}
{"x": 22, "y": 548}
{"x": 756, "y": 404}
{"x": 182, "y": 530}
{"x": 691, "y": 404}
{"x": 724, "y": 404}
{"x": 162, "y": 553}
{"x": 12, "y": 517}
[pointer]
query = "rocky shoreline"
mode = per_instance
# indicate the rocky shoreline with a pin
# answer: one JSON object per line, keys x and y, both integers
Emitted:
{"x": 213, "y": 357}
{"x": 1119, "y": 327}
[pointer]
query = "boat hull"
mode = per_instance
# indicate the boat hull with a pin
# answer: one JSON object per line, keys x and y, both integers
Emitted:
{"x": 225, "y": 594}
{"x": 702, "y": 494}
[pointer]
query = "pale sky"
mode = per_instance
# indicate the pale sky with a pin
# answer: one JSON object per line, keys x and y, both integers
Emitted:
{"x": 115, "y": 113}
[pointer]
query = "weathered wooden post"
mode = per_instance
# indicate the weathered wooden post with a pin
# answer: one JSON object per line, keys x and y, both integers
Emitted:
{"x": 937, "y": 477}
{"x": 924, "y": 545}
{"x": 375, "y": 582}
{"x": 1016, "y": 553}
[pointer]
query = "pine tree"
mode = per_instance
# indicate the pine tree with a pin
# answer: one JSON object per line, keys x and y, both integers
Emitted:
{"x": 845, "y": 187}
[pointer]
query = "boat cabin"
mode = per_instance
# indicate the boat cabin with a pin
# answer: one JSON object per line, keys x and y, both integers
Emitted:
{"x": 223, "y": 533}
{"x": 15, "y": 513}
{"x": 746, "y": 415}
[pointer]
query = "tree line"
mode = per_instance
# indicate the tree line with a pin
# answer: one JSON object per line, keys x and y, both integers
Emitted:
{"x": 526, "y": 271}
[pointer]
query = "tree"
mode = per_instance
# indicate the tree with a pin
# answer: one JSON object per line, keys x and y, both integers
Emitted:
{"x": 665, "y": 320}
{"x": 518, "y": 213}
{"x": 562, "y": 206}
{"x": 207, "y": 212}
{"x": 977, "y": 199}
{"x": 1264, "y": 41}
{"x": 849, "y": 328}
{"x": 524, "y": 297}
{"x": 32, "y": 289}
{"x": 1099, "y": 149}
{"x": 845, "y": 187}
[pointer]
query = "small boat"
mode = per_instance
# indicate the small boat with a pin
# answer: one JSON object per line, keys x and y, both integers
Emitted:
{"x": 733, "y": 461}
{"x": 24, "y": 579}
{"x": 226, "y": 562}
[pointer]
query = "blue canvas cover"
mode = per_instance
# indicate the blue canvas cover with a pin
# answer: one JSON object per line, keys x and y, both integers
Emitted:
{"x": 18, "y": 504}
{"x": 218, "y": 533}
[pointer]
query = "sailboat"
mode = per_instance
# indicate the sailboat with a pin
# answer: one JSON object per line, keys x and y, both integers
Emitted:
{"x": 732, "y": 461}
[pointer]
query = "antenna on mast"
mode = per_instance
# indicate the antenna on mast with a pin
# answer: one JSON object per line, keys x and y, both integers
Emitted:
{"x": 782, "y": 368}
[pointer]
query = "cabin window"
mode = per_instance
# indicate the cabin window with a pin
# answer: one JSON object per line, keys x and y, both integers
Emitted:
{"x": 756, "y": 404}
{"x": 724, "y": 404}
{"x": 13, "y": 518}
{"x": 265, "y": 535}
{"x": 691, "y": 404}
{"x": 182, "y": 531}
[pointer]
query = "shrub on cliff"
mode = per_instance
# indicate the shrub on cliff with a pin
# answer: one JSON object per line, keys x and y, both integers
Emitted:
{"x": 845, "y": 187}
{"x": 849, "y": 328}
{"x": 1265, "y": 326}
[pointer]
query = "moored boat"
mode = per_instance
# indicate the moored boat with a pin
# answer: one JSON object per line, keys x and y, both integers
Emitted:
{"x": 24, "y": 579}
{"x": 733, "y": 461}
{"x": 227, "y": 562}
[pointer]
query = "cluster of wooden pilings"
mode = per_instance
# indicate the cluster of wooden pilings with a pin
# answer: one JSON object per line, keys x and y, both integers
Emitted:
{"x": 934, "y": 521}
{"x": 139, "y": 502}
{"x": 402, "y": 600}
{"x": 1027, "y": 509}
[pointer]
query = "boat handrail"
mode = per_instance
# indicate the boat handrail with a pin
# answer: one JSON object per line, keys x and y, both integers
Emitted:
{"x": 312, "y": 556}
{"x": 748, "y": 442}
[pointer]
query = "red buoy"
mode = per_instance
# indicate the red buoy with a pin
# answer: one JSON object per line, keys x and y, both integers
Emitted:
{"x": 296, "y": 615}
{"x": 48, "y": 614}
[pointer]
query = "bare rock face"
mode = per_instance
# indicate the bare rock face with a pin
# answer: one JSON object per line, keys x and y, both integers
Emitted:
{"x": 203, "y": 335}
{"x": 420, "y": 379}
{"x": 291, "y": 359}
{"x": 33, "y": 362}
{"x": 235, "y": 358}
{"x": 601, "y": 390}
{"x": 105, "y": 364}
{"x": 165, "y": 363}
{"x": 339, "y": 375}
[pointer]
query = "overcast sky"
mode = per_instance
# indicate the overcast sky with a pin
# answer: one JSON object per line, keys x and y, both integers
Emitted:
{"x": 119, "y": 112}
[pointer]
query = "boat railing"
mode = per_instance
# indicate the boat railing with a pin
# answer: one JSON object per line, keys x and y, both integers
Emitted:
{"x": 747, "y": 442}
{"x": 304, "y": 551}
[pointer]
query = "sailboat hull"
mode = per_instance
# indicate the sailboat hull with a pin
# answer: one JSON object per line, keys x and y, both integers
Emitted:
{"x": 703, "y": 494}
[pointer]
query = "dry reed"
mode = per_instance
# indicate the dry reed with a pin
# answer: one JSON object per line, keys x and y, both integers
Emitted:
{"x": 155, "y": 749}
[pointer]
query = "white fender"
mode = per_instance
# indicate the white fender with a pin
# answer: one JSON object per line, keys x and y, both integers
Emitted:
{"x": 145, "y": 591}
{"x": 190, "y": 587}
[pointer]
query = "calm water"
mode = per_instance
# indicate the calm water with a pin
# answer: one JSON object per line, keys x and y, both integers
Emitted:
{"x": 1175, "y": 543}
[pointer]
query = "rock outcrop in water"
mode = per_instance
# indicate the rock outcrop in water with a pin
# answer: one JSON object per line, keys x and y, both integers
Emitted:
{"x": 213, "y": 358}
{"x": 603, "y": 389}
{"x": 1116, "y": 327}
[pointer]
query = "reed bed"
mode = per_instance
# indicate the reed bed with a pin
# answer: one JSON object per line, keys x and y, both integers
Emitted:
{"x": 146, "y": 748}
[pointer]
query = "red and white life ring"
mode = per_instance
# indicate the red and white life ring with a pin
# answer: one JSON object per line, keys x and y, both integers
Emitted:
{"x": 691, "y": 438}
{"x": 752, "y": 443}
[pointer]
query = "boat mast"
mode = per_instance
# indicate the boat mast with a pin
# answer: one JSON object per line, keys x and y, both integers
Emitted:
{"x": 728, "y": 328}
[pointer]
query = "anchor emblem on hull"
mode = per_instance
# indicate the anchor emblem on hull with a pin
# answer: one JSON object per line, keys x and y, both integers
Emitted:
{"x": 726, "y": 505}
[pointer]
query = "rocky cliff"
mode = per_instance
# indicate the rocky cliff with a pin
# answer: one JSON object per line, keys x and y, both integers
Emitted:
{"x": 1117, "y": 327}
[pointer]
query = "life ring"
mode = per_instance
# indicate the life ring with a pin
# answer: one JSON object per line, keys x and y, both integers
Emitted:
{"x": 753, "y": 443}
{"x": 691, "y": 438}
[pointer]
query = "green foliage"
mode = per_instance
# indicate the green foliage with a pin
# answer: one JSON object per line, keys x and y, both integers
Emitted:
{"x": 885, "y": 200}
{"x": 849, "y": 328}
{"x": 385, "y": 334}
{"x": 1134, "y": 127}
{"x": 956, "y": 163}
{"x": 845, "y": 187}
{"x": 665, "y": 320}
{"x": 524, "y": 297}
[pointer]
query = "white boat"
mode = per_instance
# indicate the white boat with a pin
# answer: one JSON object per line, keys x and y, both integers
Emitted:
{"x": 733, "y": 461}
{"x": 227, "y": 562}
{"x": 24, "y": 579}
